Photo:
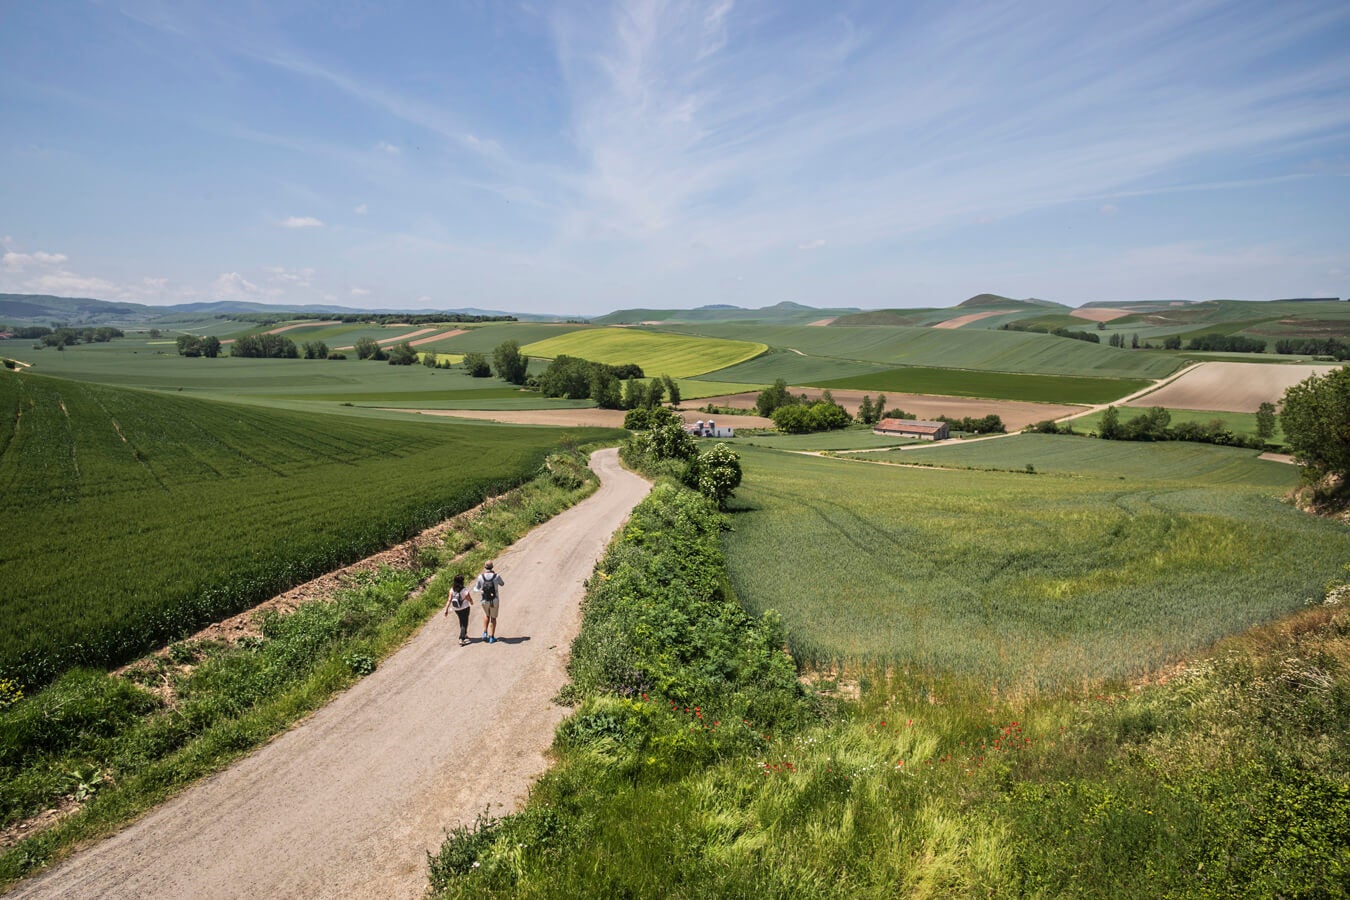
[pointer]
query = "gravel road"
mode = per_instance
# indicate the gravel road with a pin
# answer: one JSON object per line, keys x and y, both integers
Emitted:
{"x": 347, "y": 803}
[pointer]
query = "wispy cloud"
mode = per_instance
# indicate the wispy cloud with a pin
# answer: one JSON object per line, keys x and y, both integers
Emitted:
{"x": 301, "y": 222}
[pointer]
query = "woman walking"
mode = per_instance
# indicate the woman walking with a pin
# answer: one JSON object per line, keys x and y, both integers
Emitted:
{"x": 460, "y": 601}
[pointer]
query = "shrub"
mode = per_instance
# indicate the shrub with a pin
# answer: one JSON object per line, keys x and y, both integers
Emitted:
{"x": 476, "y": 365}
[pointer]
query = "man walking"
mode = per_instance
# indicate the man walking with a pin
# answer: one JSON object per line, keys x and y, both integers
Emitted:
{"x": 488, "y": 586}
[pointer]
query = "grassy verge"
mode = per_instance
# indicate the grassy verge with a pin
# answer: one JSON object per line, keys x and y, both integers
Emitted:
{"x": 102, "y": 749}
{"x": 694, "y": 767}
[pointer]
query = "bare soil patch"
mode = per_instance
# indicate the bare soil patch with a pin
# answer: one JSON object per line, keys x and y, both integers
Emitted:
{"x": 438, "y": 337}
{"x": 1229, "y": 386}
{"x": 823, "y": 322}
{"x": 1099, "y": 313}
{"x": 397, "y": 340}
{"x": 972, "y": 317}
{"x": 1016, "y": 414}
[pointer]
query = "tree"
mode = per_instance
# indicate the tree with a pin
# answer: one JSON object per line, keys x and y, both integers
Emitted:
{"x": 1172, "y": 343}
{"x": 508, "y": 362}
{"x": 1134, "y": 342}
{"x": 772, "y": 398}
{"x": 403, "y": 354}
{"x": 671, "y": 441}
{"x": 656, "y": 392}
{"x": 429, "y": 359}
{"x": 1315, "y": 417}
{"x": 1265, "y": 420}
{"x": 211, "y": 346}
{"x": 605, "y": 388}
{"x": 672, "y": 389}
{"x": 316, "y": 350}
{"x": 476, "y": 364}
{"x": 634, "y": 394}
{"x": 1109, "y": 427}
{"x": 865, "y": 413}
{"x": 367, "y": 348}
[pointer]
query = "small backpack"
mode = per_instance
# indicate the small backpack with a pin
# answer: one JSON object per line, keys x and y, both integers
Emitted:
{"x": 489, "y": 586}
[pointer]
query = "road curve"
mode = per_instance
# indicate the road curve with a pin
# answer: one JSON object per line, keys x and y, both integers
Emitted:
{"x": 347, "y": 803}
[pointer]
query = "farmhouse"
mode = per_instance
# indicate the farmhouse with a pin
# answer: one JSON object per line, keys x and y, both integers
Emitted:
{"x": 709, "y": 429}
{"x": 927, "y": 431}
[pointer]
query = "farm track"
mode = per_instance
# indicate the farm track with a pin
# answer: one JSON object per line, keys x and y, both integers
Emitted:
{"x": 348, "y": 803}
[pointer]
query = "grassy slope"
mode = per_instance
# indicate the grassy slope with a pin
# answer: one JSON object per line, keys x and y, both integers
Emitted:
{"x": 679, "y": 356}
{"x": 1001, "y": 351}
{"x": 991, "y": 385}
{"x": 157, "y": 366}
{"x": 133, "y": 517}
{"x": 1227, "y": 779}
{"x": 1023, "y": 579}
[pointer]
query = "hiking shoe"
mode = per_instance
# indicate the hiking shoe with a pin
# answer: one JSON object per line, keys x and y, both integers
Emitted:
{"x": 485, "y": 636}
{"x": 492, "y": 640}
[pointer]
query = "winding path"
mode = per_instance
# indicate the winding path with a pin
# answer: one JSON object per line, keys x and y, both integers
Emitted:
{"x": 347, "y": 803}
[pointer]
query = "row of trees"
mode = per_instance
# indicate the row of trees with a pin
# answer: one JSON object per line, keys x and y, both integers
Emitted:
{"x": 1057, "y": 332}
{"x": 196, "y": 345}
{"x": 1155, "y": 424}
{"x": 61, "y": 336}
{"x": 1226, "y": 343}
{"x": 1331, "y": 347}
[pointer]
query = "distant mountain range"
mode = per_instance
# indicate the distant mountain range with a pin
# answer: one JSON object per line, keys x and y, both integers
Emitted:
{"x": 44, "y": 309}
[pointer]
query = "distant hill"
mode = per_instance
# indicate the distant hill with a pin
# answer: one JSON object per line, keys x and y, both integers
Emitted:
{"x": 994, "y": 301}
{"x": 43, "y": 309}
{"x": 784, "y": 313}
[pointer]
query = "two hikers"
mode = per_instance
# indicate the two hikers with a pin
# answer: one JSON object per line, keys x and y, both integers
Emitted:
{"x": 488, "y": 586}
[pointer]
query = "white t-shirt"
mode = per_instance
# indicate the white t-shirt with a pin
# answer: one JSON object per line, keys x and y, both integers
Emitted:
{"x": 459, "y": 599}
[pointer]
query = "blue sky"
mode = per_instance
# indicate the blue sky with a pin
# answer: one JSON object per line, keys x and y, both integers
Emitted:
{"x": 582, "y": 157}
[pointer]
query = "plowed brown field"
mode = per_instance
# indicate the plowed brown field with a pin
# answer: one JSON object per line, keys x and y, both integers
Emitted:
{"x": 1229, "y": 386}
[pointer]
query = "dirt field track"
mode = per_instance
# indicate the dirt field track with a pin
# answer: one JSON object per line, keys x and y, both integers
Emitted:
{"x": 1015, "y": 414}
{"x": 1229, "y": 386}
{"x": 1099, "y": 313}
{"x": 971, "y": 317}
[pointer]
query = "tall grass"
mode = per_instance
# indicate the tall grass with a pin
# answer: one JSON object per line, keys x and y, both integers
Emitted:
{"x": 1024, "y": 581}
{"x": 1226, "y": 778}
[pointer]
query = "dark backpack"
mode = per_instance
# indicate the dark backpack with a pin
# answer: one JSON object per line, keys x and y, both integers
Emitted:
{"x": 489, "y": 586}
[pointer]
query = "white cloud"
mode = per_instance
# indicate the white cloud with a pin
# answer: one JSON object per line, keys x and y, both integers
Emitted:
{"x": 301, "y": 222}
{"x": 359, "y": 292}
{"x": 63, "y": 283}
{"x": 292, "y": 278}
{"x": 361, "y": 210}
{"x": 234, "y": 284}
{"x": 812, "y": 245}
{"x": 18, "y": 262}
{"x": 391, "y": 149}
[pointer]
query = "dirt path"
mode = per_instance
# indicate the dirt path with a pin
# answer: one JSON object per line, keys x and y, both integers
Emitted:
{"x": 347, "y": 803}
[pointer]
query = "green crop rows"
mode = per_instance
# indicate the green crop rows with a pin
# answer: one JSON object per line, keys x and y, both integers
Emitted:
{"x": 1021, "y": 579}
{"x": 658, "y": 354}
{"x": 132, "y": 518}
{"x": 994, "y": 351}
{"x": 991, "y": 385}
